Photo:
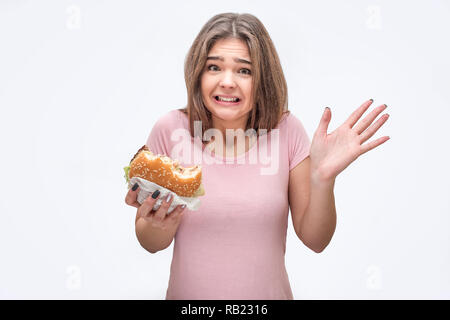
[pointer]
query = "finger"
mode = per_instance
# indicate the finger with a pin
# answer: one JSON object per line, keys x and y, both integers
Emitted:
{"x": 362, "y": 125}
{"x": 175, "y": 215}
{"x": 148, "y": 204}
{"x": 324, "y": 122}
{"x": 366, "y": 135}
{"x": 162, "y": 211}
{"x": 131, "y": 197}
{"x": 148, "y": 218}
{"x": 354, "y": 117}
{"x": 373, "y": 144}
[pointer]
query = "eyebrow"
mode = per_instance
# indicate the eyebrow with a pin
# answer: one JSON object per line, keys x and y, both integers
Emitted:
{"x": 238, "y": 60}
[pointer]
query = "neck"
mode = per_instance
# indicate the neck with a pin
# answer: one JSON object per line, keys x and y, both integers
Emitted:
{"x": 234, "y": 125}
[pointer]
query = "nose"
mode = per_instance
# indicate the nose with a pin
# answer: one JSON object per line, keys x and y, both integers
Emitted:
{"x": 227, "y": 80}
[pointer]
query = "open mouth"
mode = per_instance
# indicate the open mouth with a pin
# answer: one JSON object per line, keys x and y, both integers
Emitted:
{"x": 223, "y": 100}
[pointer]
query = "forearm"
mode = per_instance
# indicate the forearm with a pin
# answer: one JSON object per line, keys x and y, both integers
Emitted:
{"x": 319, "y": 221}
{"x": 151, "y": 238}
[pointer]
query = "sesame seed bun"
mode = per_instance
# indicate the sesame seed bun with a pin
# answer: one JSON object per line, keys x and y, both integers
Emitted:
{"x": 160, "y": 169}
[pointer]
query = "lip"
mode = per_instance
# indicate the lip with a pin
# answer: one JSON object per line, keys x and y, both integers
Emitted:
{"x": 223, "y": 103}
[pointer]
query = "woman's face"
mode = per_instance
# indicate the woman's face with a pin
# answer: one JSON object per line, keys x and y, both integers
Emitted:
{"x": 228, "y": 74}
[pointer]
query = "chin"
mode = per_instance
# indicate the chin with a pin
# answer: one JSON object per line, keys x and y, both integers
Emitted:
{"x": 228, "y": 114}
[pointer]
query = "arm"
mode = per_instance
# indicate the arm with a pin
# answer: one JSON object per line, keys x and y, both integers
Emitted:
{"x": 312, "y": 204}
{"x": 311, "y": 183}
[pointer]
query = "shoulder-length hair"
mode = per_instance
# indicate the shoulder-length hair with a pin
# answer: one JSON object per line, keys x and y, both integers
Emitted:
{"x": 269, "y": 88}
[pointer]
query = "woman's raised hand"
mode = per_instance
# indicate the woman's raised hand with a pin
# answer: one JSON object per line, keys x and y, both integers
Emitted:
{"x": 331, "y": 153}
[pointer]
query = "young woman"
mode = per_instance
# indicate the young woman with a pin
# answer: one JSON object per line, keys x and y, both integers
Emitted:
{"x": 257, "y": 163}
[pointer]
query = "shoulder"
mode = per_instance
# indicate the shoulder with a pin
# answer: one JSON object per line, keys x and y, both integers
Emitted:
{"x": 290, "y": 122}
{"x": 296, "y": 138}
{"x": 166, "y": 124}
{"x": 170, "y": 121}
{"x": 170, "y": 117}
{"x": 159, "y": 140}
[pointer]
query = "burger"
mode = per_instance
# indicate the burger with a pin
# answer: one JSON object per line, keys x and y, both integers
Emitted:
{"x": 165, "y": 172}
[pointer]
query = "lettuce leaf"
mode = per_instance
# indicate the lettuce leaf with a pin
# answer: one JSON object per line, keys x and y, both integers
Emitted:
{"x": 127, "y": 169}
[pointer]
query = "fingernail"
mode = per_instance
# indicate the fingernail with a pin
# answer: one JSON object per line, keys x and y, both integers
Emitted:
{"x": 135, "y": 187}
{"x": 155, "y": 194}
{"x": 385, "y": 105}
{"x": 183, "y": 206}
{"x": 371, "y": 100}
{"x": 169, "y": 196}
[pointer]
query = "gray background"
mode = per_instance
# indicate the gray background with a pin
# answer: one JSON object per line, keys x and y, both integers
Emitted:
{"x": 82, "y": 82}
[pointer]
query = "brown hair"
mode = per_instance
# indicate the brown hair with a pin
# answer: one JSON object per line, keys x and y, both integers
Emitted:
{"x": 269, "y": 88}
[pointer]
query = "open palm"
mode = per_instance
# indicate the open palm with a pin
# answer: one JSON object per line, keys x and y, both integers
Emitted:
{"x": 331, "y": 153}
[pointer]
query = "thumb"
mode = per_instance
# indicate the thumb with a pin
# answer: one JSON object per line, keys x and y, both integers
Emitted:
{"x": 324, "y": 122}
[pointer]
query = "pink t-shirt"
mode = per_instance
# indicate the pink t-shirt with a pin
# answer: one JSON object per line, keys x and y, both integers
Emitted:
{"x": 233, "y": 247}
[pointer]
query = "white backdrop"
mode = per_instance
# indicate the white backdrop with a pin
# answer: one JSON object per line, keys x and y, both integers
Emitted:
{"x": 82, "y": 83}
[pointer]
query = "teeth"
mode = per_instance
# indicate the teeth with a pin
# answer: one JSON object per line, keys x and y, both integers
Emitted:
{"x": 227, "y": 99}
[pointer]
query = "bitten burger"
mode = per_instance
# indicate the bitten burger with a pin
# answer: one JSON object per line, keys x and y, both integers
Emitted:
{"x": 163, "y": 171}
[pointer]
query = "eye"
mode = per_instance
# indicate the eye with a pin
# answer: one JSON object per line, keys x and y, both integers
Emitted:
{"x": 211, "y": 65}
{"x": 248, "y": 72}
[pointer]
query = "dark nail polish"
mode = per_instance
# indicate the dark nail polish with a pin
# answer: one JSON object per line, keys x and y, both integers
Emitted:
{"x": 155, "y": 194}
{"x": 135, "y": 187}
{"x": 385, "y": 105}
{"x": 371, "y": 100}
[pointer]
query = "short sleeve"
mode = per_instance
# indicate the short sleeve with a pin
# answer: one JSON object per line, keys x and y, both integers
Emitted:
{"x": 299, "y": 142}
